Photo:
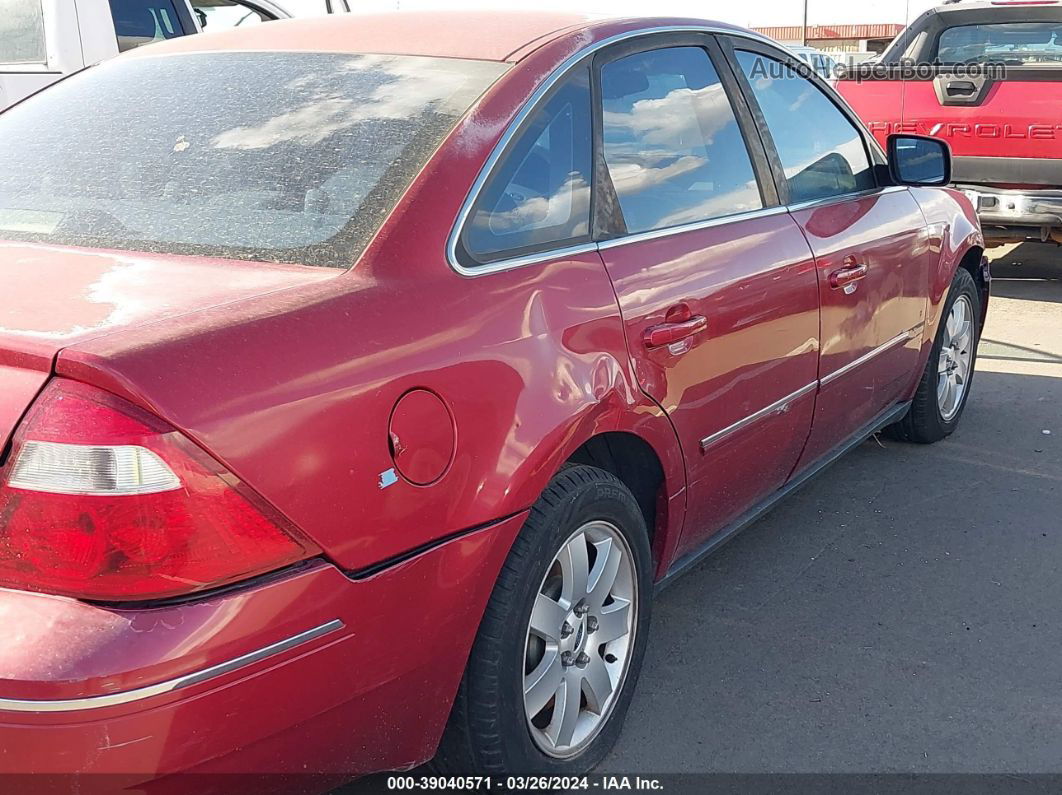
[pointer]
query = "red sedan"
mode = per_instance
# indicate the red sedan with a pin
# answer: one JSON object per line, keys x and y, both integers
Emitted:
{"x": 361, "y": 378}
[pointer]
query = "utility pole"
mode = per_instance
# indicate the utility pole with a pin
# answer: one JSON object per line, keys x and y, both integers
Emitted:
{"x": 805, "y": 28}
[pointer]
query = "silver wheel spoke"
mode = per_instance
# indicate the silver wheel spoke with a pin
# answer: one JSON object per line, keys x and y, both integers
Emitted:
{"x": 962, "y": 342}
{"x": 606, "y": 567}
{"x": 542, "y": 684}
{"x": 956, "y": 359}
{"x": 547, "y": 618}
{"x": 959, "y": 310}
{"x": 565, "y": 713}
{"x": 580, "y": 637}
{"x": 598, "y": 684}
{"x": 575, "y": 567}
{"x": 949, "y": 328}
{"x": 613, "y": 622}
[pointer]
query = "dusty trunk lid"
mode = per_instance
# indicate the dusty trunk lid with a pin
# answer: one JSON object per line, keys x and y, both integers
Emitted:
{"x": 19, "y": 384}
{"x": 53, "y": 297}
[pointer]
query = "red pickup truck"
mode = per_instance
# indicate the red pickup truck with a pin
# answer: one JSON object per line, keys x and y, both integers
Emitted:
{"x": 987, "y": 78}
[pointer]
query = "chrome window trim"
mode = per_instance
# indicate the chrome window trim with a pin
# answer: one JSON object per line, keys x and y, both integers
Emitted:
{"x": 668, "y": 231}
{"x": 527, "y": 259}
{"x": 903, "y": 336}
{"x": 169, "y": 686}
{"x": 528, "y": 108}
{"x": 844, "y": 197}
{"x": 778, "y": 407}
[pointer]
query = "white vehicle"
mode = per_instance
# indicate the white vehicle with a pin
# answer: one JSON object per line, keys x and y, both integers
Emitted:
{"x": 42, "y": 41}
{"x": 823, "y": 64}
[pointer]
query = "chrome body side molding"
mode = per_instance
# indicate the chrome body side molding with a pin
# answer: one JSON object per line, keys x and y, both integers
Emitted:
{"x": 778, "y": 407}
{"x": 169, "y": 686}
{"x": 781, "y": 406}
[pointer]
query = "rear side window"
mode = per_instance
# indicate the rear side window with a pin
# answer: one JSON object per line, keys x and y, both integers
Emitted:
{"x": 22, "y": 32}
{"x": 538, "y": 197}
{"x": 278, "y": 157}
{"x": 1012, "y": 43}
{"x": 674, "y": 151}
{"x": 139, "y": 22}
{"x": 822, "y": 152}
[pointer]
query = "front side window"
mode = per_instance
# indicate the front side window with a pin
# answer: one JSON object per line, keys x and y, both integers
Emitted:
{"x": 539, "y": 195}
{"x": 276, "y": 157}
{"x": 822, "y": 152}
{"x": 1011, "y": 43}
{"x": 673, "y": 147}
{"x": 22, "y": 32}
{"x": 140, "y": 22}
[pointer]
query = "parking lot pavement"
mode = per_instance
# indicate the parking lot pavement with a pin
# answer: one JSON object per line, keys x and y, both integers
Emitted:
{"x": 902, "y": 612}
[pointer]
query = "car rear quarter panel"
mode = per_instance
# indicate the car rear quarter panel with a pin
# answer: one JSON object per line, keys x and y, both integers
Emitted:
{"x": 293, "y": 391}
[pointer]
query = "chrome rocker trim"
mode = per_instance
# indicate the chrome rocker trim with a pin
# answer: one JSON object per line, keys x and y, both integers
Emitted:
{"x": 195, "y": 678}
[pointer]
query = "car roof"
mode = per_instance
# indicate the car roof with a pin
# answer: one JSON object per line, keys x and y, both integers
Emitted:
{"x": 477, "y": 35}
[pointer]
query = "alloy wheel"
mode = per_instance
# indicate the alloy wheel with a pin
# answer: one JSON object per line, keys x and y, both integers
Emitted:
{"x": 579, "y": 639}
{"x": 956, "y": 358}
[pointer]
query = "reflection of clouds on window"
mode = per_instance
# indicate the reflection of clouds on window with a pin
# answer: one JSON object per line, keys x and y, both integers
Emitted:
{"x": 538, "y": 196}
{"x": 408, "y": 87}
{"x": 674, "y": 151}
{"x": 742, "y": 198}
{"x": 567, "y": 208}
{"x": 684, "y": 114}
{"x": 633, "y": 177}
{"x": 802, "y": 99}
{"x": 294, "y": 157}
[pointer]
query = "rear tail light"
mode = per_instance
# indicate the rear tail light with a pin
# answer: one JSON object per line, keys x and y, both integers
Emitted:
{"x": 100, "y": 500}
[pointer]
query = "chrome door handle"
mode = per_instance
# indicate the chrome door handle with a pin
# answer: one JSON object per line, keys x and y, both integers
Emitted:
{"x": 670, "y": 333}
{"x": 846, "y": 278}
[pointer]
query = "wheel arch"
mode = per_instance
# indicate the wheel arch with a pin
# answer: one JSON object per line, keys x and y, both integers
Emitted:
{"x": 634, "y": 461}
{"x": 642, "y": 449}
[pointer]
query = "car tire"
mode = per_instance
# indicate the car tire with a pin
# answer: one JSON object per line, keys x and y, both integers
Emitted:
{"x": 933, "y": 415}
{"x": 491, "y": 730}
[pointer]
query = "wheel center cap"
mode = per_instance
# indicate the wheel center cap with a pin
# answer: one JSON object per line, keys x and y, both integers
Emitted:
{"x": 577, "y": 639}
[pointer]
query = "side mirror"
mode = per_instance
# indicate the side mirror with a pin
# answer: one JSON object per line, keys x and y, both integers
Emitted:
{"x": 919, "y": 160}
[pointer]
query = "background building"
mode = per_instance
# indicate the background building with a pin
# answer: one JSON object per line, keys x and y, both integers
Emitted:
{"x": 837, "y": 38}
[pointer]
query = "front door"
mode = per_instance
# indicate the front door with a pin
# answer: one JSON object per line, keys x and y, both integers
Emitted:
{"x": 871, "y": 246}
{"x": 715, "y": 279}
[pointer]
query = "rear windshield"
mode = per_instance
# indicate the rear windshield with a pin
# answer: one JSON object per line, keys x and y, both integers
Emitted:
{"x": 1011, "y": 43}
{"x": 257, "y": 156}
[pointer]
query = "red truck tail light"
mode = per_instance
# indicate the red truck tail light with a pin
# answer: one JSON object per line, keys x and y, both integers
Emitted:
{"x": 100, "y": 500}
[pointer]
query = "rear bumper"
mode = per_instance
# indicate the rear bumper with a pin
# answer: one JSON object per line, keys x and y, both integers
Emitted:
{"x": 1019, "y": 214}
{"x": 311, "y": 673}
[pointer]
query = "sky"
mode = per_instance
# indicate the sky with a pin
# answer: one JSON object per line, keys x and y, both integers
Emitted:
{"x": 741, "y": 12}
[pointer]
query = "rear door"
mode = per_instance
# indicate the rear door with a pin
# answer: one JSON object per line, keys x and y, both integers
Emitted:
{"x": 715, "y": 280}
{"x": 870, "y": 243}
